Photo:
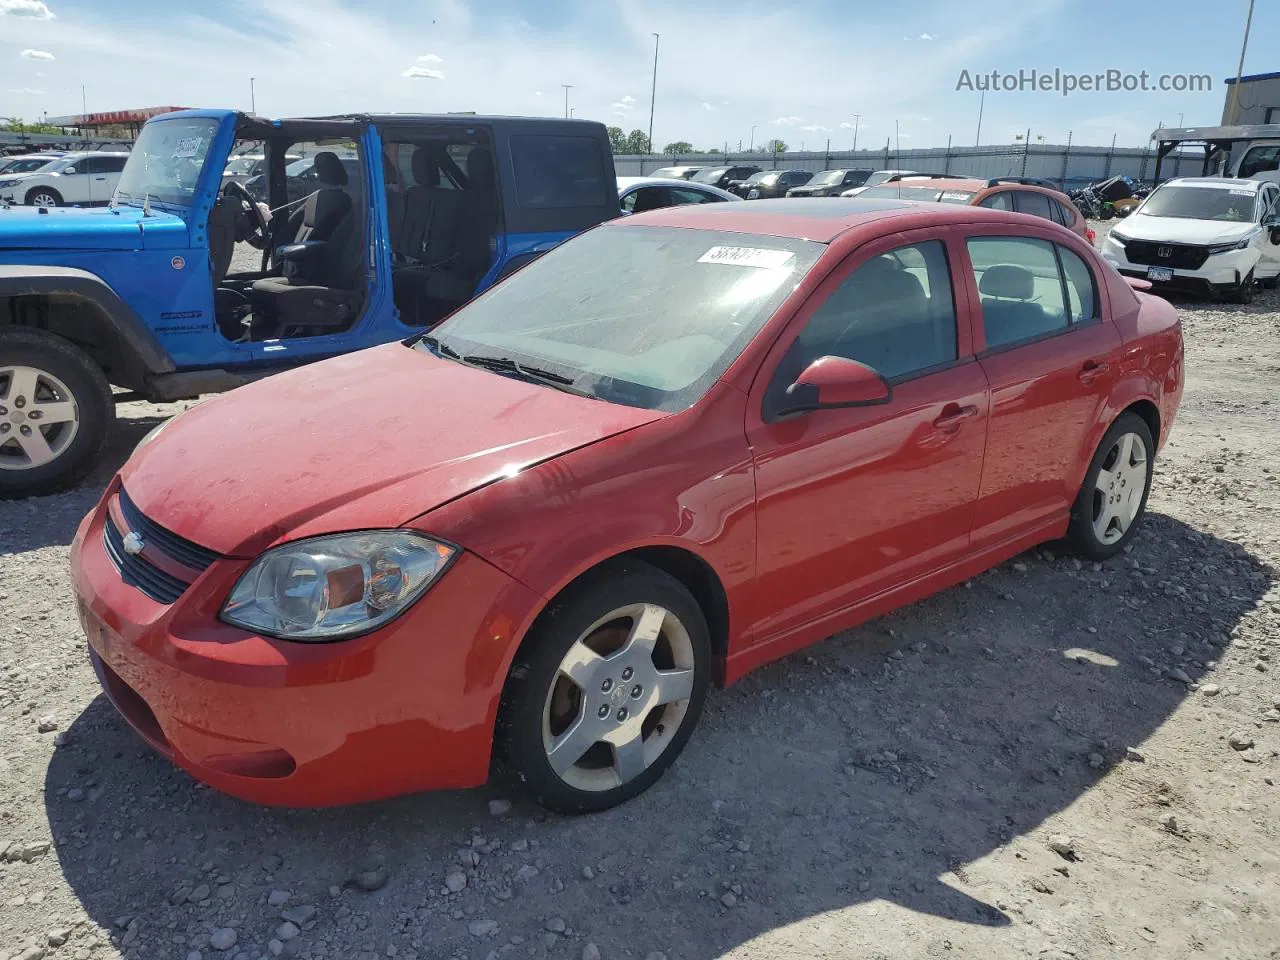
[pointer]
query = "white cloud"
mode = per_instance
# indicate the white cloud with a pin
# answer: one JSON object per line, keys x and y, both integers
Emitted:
{"x": 422, "y": 73}
{"x": 36, "y": 55}
{"x": 848, "y": 126}
{"x": 707, "y": 106}
{"x": 788, "y": 121}
{"x": 537, "y": 93}
{"x": 430, "y": 58}
{"x": 926, "y": 36}
{"x": 28, "y": 91}
{"x": 814, "y": 128}
{"x": 34, "y": 9}
{"x": 626, "y": 103}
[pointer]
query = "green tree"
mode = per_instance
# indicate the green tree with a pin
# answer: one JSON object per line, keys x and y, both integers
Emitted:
{"x": 617, "y": 139}
{"x": 680, "y": 146}
{"x": 637, "y": 142}
{"x": 776, "y": 147}
{"x": 18, "y": 125}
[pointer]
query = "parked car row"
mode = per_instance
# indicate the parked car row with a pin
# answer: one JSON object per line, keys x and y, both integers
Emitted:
{"x": 70, "y": 179}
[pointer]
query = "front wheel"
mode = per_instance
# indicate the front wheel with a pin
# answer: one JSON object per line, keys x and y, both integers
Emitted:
{"x": 606, "y": 692}
{"x": 1113, "y": 499}
{"x": 43, "y": 197}
{"x": 55, "y": 413}
{"x": 1243, "y": 291}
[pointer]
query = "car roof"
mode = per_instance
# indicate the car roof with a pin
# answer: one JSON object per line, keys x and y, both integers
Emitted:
{"x": 1218, "y": 183}
{"x": 942, "y": 183}
{"x": 821, "y": 219}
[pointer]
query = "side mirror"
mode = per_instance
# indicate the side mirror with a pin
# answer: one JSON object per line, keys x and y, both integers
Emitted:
{"x": 836, "y": 382}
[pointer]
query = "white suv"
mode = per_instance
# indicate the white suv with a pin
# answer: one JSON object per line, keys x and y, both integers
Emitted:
{"x": 77, "y": 178}
{"x": 1202, "y": 234}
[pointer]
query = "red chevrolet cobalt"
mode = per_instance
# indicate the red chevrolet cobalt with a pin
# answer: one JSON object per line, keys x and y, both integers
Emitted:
{"x": 678, "y": 447}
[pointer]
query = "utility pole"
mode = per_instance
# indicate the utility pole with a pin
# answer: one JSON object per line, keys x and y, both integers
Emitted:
{"x": 1235, "y": 90}
{"x": 84, "y": 103}
{"x": 752, "y": 145}
{"x": 567, "y": 88}
{"x": 653, "y": 92}
{"x": 253, "y": 99}
{"x": 856, "y": 118}
{"x": 982, "y": 101}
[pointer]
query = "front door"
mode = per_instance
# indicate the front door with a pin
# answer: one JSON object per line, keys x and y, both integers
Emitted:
{"x": 853, "y": 501}
{"x": 1050, "y": 355}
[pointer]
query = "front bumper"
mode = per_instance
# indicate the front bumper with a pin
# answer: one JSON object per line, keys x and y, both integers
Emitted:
{"x": 1218, "y": 274}
{"x": 409, "y": 707}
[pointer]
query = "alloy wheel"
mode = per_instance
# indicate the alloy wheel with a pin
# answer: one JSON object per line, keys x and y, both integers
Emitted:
{"x": 38, "y": 418}
{"x": 1119, "y": 489}
{"x": 619, "y": 697}
{"x": 44, "y": 200}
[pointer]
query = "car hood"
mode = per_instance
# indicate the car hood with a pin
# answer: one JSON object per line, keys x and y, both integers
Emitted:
{"x": 372, "y": 439}
{"x": 1138, "y": 226}
{"x": 69, "y": 228}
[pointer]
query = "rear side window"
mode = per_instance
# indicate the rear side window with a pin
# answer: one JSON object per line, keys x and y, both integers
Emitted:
{"x": 1020, "y": 287}
{"x": 555, "y": 172}
{"x": 999, "y": 201}
{"x": 1036, "y": 204}
{"x": 1082, "y": 292}
{"x": 1064, "y": 214}
{"x": 692, "y": 196}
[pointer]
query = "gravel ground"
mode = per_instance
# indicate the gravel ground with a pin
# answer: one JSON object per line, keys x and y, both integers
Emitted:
{"x": 1055, "y": 760}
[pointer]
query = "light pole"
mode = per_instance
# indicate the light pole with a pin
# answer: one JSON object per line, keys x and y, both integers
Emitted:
{"x": 1235, "y": 90}
{"x": 567, "y": 88}
{"x": 253, "y": 99}
{"x": 856, "y": 118}
{"x": 982, "y": 101}
{"x": 653, "y": 93}
{"x": 752, "y": 146}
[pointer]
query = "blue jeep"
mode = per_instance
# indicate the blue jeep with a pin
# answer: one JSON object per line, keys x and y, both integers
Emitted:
{"x": 189, "y": 282}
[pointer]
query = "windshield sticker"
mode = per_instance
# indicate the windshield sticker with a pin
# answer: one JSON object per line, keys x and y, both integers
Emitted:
{"x": 955, "y": 195}
{"x": 1240, "y": 193}
{"x": 187, "y": 148}
{"x": 748, "y": 257}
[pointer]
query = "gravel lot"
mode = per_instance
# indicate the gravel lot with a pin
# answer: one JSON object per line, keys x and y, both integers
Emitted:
{"x": 1055, "y": 760}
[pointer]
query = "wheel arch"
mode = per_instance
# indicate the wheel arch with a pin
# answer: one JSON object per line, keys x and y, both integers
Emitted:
{"x": 81, "y": 307}
{"x": 1132, "y": 396}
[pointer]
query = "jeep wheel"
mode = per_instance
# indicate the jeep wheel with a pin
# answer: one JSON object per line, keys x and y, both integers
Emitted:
{"x": 55, "y": 413}
{"x": 43, "y": 197}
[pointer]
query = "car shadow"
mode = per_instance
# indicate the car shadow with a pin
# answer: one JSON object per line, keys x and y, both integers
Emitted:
{"x": 36, "y": 522}
{"x": 877, "y": 765}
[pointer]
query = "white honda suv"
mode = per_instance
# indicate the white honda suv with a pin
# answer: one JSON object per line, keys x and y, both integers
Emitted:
{"x": 83, "y": 179}
{"x": 1204, "y": 235}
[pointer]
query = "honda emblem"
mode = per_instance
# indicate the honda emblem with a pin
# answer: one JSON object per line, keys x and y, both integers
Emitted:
{"x": 133, "y": 544}
{"x": 1164, "y": 252}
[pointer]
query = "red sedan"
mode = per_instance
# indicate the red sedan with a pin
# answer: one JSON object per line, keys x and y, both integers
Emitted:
{"x": 678, "y": 447}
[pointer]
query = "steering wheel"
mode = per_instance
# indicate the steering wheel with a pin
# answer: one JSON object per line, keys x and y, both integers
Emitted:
{"x": 262, "y": 233}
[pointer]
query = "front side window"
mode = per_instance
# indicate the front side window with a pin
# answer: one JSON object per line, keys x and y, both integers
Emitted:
{"x": 166, "y": 161}
{"x": 636, "y": 315}
{"x": 895, "y": 313}
{"x": 1020, "y": 287}
{"x": 646, "y": 198}
{"x": 553, "y": 172}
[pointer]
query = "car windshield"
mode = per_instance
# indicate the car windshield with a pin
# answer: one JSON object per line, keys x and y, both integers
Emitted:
{"x": 760, "y": 177}
{"x": 892, "y": 191}
{"x": 29, "y": 165}
{"x": 711, "y": 175}
{"x": 636, "y": 315}
{"x": 827, "y": 178}
{"x": 1202, "y": 203}
{"x": 166, "y": 161}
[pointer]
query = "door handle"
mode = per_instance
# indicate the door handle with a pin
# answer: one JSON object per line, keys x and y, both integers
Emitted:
{"x": 1092, "y": 369}
{"x": 953, "y": 415}
{"x": 99, "y": 178}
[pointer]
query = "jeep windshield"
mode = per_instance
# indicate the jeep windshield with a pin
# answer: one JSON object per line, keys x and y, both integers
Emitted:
{"x": 166, "y": 161}
{"x": 643, "y": 316}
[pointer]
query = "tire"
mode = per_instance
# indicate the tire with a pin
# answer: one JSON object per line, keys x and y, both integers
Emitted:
{"x": 1243, "y": 292}
{"x": 55, "y": 367}
{"x": 1269, "y": 283}
{"x": 541, "y": 705}
{"x": 43, "y": 197}
{"x": 1087, "y": 533}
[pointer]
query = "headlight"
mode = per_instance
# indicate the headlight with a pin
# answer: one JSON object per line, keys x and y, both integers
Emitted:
{"x": 8, "y": 183}
{"x": 333, "y": 587}
{"x": 1228, "y": 247}
{"x": 1118, "y": 238}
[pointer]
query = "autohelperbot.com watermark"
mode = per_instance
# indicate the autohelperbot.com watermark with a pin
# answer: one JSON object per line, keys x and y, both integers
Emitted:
{"x": 1065, "y": 83}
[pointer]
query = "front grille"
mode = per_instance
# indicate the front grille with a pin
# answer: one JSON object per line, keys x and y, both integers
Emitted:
{"x": 136, "y": 570}
{"x": 1180, "y": 256}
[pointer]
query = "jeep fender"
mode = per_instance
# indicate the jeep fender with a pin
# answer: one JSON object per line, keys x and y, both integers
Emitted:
{"x": 127, "y": 345}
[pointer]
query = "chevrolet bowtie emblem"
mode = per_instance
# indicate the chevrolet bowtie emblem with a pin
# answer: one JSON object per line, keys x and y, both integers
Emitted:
{"x": 133, "y": 544}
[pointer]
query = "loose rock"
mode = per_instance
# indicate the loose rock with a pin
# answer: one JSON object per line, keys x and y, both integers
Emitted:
{"x": 456, "y": 881}
{"x": 483, "y": 928}
{"x": 1240, "y": 741}
{"x": 371, "y": 880}
{"x": 590, "y": 952}
{"x": 224, "y": 938}
{"x": 278, "y": 898}
{"x": 499, "y": 808}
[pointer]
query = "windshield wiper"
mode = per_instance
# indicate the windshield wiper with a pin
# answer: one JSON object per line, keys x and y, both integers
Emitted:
{"x": 533, "y": 374}
{"x": 441, "y": 349}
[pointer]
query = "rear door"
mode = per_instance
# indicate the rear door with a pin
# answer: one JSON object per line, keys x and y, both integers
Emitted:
{"x": 1051, "y": 356}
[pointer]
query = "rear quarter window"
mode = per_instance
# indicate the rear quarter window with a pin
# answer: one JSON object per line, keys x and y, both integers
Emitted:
{"x": 556, "y": 172}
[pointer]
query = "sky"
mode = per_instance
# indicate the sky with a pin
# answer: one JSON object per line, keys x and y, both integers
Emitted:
{"x": 729, "y": 71}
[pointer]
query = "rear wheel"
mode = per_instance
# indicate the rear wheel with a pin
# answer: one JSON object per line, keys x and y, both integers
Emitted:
{"x": 55, "y": 413}
{"x": 1113, "y": 499}
{"x": 43, "y": 197}
{"x": 606, "y": 693}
